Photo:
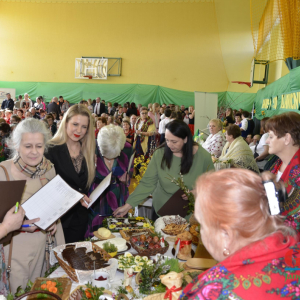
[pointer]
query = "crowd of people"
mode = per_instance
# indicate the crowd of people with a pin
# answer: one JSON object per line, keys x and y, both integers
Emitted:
{"x": 85, "y": 142}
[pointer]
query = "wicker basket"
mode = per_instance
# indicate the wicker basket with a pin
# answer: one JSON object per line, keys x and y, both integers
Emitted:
{"x": 71, "y": 271}
{"x": 150, "y": 252}
{"x": 126, "y": 234}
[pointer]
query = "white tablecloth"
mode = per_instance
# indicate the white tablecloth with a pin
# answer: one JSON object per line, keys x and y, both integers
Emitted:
{"x": 117, "y": 281}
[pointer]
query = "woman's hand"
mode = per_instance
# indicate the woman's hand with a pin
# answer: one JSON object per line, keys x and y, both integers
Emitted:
{"x": 122, "y": 211}
{"x": 85, "y": 201}
{"x": 52, "y": 229}
{"x": 184, "y": 196}
{"x": 30, "y": 222}
{"x": 12, "y": 221}
{"x": 138, "y": 132}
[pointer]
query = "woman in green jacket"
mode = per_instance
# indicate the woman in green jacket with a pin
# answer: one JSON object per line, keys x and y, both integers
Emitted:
{"x": 179, "y": 154}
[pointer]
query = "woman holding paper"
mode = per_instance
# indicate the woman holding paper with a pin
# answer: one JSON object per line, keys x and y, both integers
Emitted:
{"x": 113, "y": 155}
{"x": 72, "y": 151}
{"x": 27, "y": 146}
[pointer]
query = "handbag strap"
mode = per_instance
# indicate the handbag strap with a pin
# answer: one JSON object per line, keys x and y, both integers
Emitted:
{"x": 6, "y": 173}
{"x": 8, "y": 269}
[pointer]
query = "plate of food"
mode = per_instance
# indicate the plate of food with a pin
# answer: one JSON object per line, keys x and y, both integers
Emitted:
{"x": 59, "y": 286}
{"x": 117, "y": 224}
{"x": 136, "y": 262}
{"x": 171, "y": 225}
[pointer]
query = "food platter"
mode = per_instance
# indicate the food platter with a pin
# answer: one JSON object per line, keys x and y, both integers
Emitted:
{"x": 117, "y": 224}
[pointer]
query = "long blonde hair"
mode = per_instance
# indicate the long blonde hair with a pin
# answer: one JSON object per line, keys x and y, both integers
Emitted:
{"x": 87, "y": 142}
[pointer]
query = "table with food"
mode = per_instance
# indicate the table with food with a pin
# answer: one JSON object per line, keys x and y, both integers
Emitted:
{"x": 128, "y": 258}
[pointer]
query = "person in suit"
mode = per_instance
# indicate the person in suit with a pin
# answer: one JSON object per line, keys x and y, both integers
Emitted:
{"x": 54, "y": 107}
{"x": 8, "y": 103}
{"x": 99, "y": 107}
{"x": 72, "y": 151}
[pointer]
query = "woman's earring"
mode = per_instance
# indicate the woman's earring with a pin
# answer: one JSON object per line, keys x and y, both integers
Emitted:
{"x": 226, "y": 252}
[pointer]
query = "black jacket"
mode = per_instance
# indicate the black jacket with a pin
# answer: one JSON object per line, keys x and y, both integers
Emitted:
{"x": 8, "y": 103}
{"x": 53, "y": 107}
{"x": 102, "y": 109}
{"x": 60, "y": 157}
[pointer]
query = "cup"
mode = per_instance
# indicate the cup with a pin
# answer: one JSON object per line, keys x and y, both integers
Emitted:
{"x": 98, "y": 281}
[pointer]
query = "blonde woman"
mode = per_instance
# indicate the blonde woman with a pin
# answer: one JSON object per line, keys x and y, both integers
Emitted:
{"x": 72, "y": 151}
{"x": 109, "y": 107}
{"x": 144, "y": 128}
{"x": 154, "y": 115}
{"x": 191, "y": 118}
{"x": 90, "y": 105}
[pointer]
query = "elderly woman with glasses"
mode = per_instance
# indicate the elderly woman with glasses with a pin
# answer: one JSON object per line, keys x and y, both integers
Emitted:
{"x": 27, "y": 145}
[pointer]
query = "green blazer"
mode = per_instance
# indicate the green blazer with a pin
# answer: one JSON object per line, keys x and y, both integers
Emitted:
{"x": 155, "y": 181}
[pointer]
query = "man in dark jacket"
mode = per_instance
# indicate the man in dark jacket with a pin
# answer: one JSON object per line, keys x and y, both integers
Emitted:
{"x": 99, "y": 107}
{"x": 54, "y": 107}
{"x": 8, "y": 103}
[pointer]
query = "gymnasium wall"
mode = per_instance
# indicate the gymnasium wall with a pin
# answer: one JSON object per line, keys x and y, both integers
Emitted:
{"x": 174, "y": 45}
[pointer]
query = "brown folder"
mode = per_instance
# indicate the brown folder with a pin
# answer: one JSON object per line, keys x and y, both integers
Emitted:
{"x": 11, "y": 193}
{"x": 175, "y": 206}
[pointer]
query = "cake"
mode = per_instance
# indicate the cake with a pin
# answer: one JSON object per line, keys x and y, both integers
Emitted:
{"x": 118, "y": 242}
{"x": 104, "y": 232}
{"x": 81, "y": 260}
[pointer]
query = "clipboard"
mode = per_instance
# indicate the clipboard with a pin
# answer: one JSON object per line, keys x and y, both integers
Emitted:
{"x": 174, "y": 206}
{"x": 11, "y": 193}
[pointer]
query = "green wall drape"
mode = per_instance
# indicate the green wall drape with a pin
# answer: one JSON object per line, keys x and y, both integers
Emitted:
{"x": 273, "y": 94}
{"x": 121, "y": 93}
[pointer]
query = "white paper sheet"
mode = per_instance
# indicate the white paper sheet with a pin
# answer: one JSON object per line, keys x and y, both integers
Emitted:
{"x": 130, "y": 162}
{"x": 100, "y": 189}
{"x": 51, "y": 202}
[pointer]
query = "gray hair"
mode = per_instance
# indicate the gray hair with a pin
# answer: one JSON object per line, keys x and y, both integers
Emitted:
{"x": 111, "y": 141}
{"x": 29, "y": 125}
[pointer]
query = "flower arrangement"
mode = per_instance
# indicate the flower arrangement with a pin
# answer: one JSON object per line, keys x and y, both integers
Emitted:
{"x": 137, "y": 263}
{"x": 141, "y": 165}
{"x": 191, "y": 198}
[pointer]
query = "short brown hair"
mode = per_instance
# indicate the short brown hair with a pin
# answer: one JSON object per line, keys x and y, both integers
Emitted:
{"x": 263, "y": 123}
{"x": 102, "y": 119}
{"x": 288, "y": 122}
{"x": 126, "y": 121}
{"x": 233, "y": 130}
{"x": 49, "y": 116}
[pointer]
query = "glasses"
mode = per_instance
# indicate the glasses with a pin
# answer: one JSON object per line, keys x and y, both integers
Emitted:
{"x": 143, "y": 113}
